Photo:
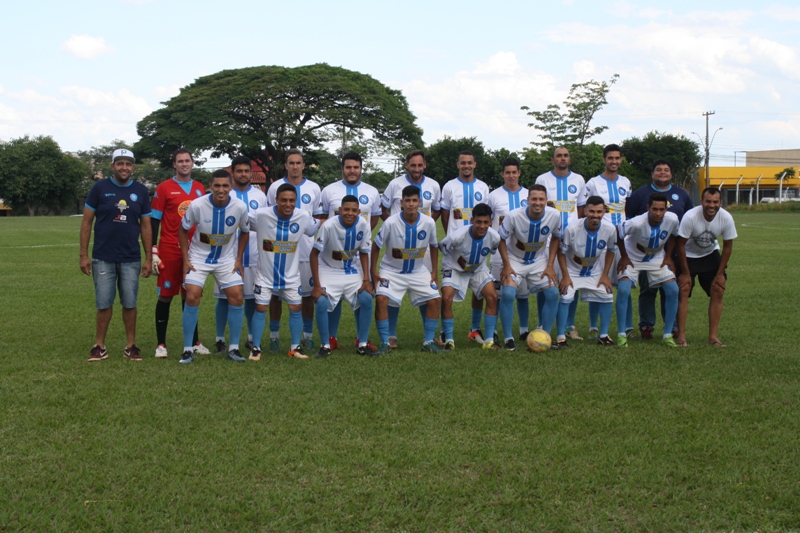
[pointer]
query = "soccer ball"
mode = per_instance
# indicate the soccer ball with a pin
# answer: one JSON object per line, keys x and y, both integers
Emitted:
{"x": 539, "y": 341}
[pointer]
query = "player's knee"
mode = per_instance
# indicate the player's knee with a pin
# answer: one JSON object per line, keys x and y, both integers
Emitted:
{"x": 509, "y": 293}
{"x": 322, "y": 304}
{"x": 490, "y": 298}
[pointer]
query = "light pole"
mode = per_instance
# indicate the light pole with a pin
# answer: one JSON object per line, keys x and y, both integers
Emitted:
{"x": 708, "y": 144}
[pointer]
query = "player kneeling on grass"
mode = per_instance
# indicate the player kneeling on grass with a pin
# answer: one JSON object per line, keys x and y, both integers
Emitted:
{"x": 406, "y": 236}
{"x": 642, "y": 242}
{"x": 340, "y": 270}
{"x": 279, "y": 229}
{"x": 214, "y": 250}
{"x": 464, "y": 267}
{"x": 585, "y": 256}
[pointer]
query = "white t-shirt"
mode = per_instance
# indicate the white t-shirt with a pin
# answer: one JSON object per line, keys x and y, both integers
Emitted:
{"x": 701, "y": 235}
{"x": 307, "y": 200}
{"x": 340, "y": 246}
{"x": 253, "y": 198}
{"x": 330, "y": 199}
{"x": 406, "y": 244}
{"x": 430, "y": 195}
{"x": 279, "y": 245}
{"x": 590, "y": 248}
{"x": 644, "y": 242}
{"x": 526, "y": 239}
{"x": 564, "y": 193}
{"x": 215, "y": 238}
{"x": 460, "y": 197}
{"x": 614, "y": 194}
{"x": 465, "y": 253}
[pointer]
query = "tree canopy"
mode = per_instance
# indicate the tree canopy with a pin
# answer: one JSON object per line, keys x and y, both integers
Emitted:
{"x": 683, "y": 155}
{"x": 442, "y": 156}
{"x": 263, "y": 111}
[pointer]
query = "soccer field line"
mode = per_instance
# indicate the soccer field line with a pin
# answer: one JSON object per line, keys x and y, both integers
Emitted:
{"x": 41, "y": 246}
{"x": 765, "y": 227}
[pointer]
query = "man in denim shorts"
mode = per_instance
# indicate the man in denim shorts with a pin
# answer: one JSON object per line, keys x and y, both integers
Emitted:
{"x": 120, "y": 209}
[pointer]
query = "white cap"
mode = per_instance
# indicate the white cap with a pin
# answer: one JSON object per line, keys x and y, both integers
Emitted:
{"x": 122, "y": 152}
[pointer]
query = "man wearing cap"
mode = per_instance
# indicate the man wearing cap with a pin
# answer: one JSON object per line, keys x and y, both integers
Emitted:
{"x": 120, "y": 209}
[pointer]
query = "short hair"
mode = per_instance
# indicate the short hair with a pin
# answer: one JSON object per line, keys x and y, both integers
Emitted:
{"x": 537, "y": 187}
{"x": 415, "y": 153}
{"x": 285, "y": 187}
{"x": 659, "y": 162}
{"x": 410, "y": 190}
{"x": 595, "y": 200}
{"x": 466, "y": 152}
{"x": 509, "y": 162}
{"x": 611, "y": 148}
{"x": 221, "y": 173}
{"x": 712, "y": 191}
{"x": 180, "y": 151}
{"x": 349, "y": 198}
{"x": 292, "y": 151}
{"x": 352, "y": 156}
{"x": 657, "y": 197}
{"x": 562, "y": 147}
{"x": 240, "y": 160}
{"x": 481, "y": 210}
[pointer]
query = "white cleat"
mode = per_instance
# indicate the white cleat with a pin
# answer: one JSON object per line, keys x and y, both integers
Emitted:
{"x": 161, "y": 352}
{"x": 199, "y": 349}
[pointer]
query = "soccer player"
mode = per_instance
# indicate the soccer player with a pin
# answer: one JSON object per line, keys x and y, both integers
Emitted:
{"x": 391, "y": 202}
{"x": 340, "y": 268}
{"x": 459, "y": 197}
{"x": 369, "y": 203}
{"x": 614, "y": 190}
{"x": 464, "y": 267}
{"x": 307, "y": 200}
{"x": 698, "y": 253}
{"x": 215, "y": 250}
{"x": 678, "y": 202}
{"x": 280, "y": 229}
{"x": 586, "y": 256}
{"x": 563, "y": 189}
{"x": 527, "y": 266}
{"x": 645, "y": 243}
{"x": 170, "y": 202}
{"x": 120, "y": 209}
{"x": 253, "y": 198}
{"x": 408, "y": 237}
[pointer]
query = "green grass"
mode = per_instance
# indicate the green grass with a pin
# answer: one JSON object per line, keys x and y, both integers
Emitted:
{"x": 644, "y": 439}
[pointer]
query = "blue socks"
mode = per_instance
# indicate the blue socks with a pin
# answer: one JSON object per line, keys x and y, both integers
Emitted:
{"x": 491, "y": 326}
{"x": 671, "y": 305}
{"x": 447, "y": 326}
{"x": 605, "y": 317}
{"x": 295, "y": 327}
{"x": 394, "y": 312}
{"x": 594, "y": 312}
{"x": 477, "y": 314}
{"x": 430, "y": 325}
{"x": 573, "y": 307}
{"x": 549, "y": 308}
{"x": 363, "y": 315}
{"x": 235, "y": 316}
{"x": 623, "y": 304}
{"x": 259, "y": 321}
{"x": 190, "y": 313}
{"x": 383, "y": 330}
{"x": 334, "y": 317}
{"x": 221, "y": 315}
{"x": 524, "y": 312}
{"x": 321, "y": 310}
{"x": 249, "y": 311}
{"x": 507, "y": 296}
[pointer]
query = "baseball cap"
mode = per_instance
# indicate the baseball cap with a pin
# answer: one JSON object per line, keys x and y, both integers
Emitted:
{"x": 122, "y": 152}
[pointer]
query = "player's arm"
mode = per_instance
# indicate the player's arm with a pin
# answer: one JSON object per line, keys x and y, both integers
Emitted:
{"x": 668, "y": 249}
{"x": 549, "y": 270}
{"x": 727, "y": 249}
{"x": 384, "y": 212}
{"x": 86, "y": 233}
{"x": 435, "y": 214}
{"x": 313, "y": 262}
{"x": 680, "y": 250}
{"x": 566, "y": 281}
{"x": 605, "y": 279}
{"x": 366, "y": 285}
{"x": 434, "y": 262}
{"x": 373, "y": 266}
{"x": 147, "y": 242}
{"x": 445, "y": 214}
{"x": 373, "y": 221}
{"x": 507, "y": 271}
{"x": 244, "y": 242}
{"x": 624, "y": 260}
{"x": 183, "y": 240}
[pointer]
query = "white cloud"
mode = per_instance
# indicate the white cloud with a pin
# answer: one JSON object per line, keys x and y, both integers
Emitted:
{"x": 86, "y": 47}
{"x": 783, "y": 13}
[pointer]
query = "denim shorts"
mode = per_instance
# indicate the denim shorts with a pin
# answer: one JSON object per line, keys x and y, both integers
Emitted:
{"x": 108, "y": 276}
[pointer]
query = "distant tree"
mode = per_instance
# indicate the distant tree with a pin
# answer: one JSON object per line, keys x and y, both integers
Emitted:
{"x": 586, "y": 160}
{"x": 98, "y": 161}
{"x": 683, "y": 155}
{"x": 35, "y": 173}
{"x": 442, "y": 157}
{"x": 789, "y": 171}
{"x": 263, "y": 111}
{"x": 322, "y": 167}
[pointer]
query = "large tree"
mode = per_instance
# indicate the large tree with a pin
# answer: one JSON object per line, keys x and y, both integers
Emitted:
{"x": 35, "y": 173}
{"x": 683, "y": 155}
{"x": 442, "y": 157}
{"x": 263, "y": 111}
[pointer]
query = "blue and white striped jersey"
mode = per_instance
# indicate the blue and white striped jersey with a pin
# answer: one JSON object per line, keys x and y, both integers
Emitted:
{"x": 215, "y": 238}
{"x": 585, "y": 250}
{"x": 527, "y": 239}
{"x": 459, "y": 197}
{"x": 340, "y": 246}
{"x": 307, "y": 200}
{"x": 406, "y": 245}
{"x": 330, "y": 199}
{"x": 645, "y": 243}
{"x": 253, "y": 198}
{"x": 279, "y": 244}
{"x": 563, "y": 193}
{"x": 465, "y": 253}
{"x": 614, "y": 194}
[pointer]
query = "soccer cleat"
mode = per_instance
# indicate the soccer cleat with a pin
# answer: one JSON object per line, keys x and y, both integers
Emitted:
{"x": 323, "y": 352}
{"x": 622, "y": 341}
{"x": 333, "y": 342}
{"x": 274, "y": 345}
{"x": 297, "y": 353}
{"x": 384, "y": 349}
{"x": 449, "y": 346}
{"x": 510, "y": 345}
{"x": 491, "y": 345}
{"x": 220, "y": 347}
{"x": 369, "y": 344}
{"x": 669, "y": 340}
{"x": 255, "y": 354}
{"x": 235, "y": 355}
{"x": 524, "y": 336}
{"x": 366, "y": 350}
{"x": 572, "y": 333}
{"x": 431, "y": 347}
{"x": 186, "y": 358}
{"x": 133, "y": 353}
{"x": 631, "y": 334}
{"x": 606, "y": 341}
{"x": 248, "y": 345}
{"x": 97, "y": 354}
{"x": 646, "y": 332}
{"x": 161, "y": 352}
{"x": 393, "y": 343}
{"x": 199, "y": 349}
{"x": 594, "y": 334}
{"x": 438, "y": 342}
{"x": 561, "y": 344}
{"x": 496, "y": 338}
{"x": 308, "y": 345}
{"x": 476, "y": 336}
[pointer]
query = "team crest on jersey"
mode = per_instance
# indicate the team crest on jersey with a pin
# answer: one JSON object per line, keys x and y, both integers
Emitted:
{"x": 310, "y": 282}
{"x": 256, "y": 289}
{"x": 253, "y": 204}
{"x": 230, "y": 221}
{"x": 294, "y": 227}
{"x": 675, "y": 197}
{"x": 601, "y": 245}
{"x": 622, "y": 191}
{"x": 421, "y": 235}
{"x": 484, "y": 251}
{"x": 306, "y": 199}
{"x": 524, "y": 203}
{"x": 134, "y": 197}
{"x": 199, "y": 192}
{"x": 572, "y": 189}
{"x": 478, "y": 196}
{"x": 663, "y": 235}
{"x": 384, "y": 283}
{"x": 545, "y": 230}
{"x": 359, "y": 235}
{"x": 363, "y": 199}
{"x": 427, "y": 195}
{"x": 167, "y": 284}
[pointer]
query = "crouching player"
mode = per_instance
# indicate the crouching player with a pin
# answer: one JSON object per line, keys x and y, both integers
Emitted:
{"x": 407, "y": 237}
{"x": 279, "y": 229}
{"x": 585, "y": 256}
{"x": 642, "y": 241}
{"x": 340, "y": 270}
{"x": 464, "y": 267}
{"x": 215, "y": 250}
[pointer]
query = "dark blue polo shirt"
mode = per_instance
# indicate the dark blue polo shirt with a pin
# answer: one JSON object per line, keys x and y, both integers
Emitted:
{"x": 118, "y": 211}
{"x": 678, "y": 201}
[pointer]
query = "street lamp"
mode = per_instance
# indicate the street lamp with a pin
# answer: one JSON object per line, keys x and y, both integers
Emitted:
{"x": 707, "y": 149}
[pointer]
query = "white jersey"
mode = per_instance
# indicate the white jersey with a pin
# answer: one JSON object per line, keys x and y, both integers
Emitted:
{"x": 406, "y": 245}
{"x": 701, "y": 235}
{"x": 614, "y": 194}
{"x": 369, "y": 199}
{"x": 307, "y": 200}
{"x": 502, "y": 201}
{"x": 527, "y": 239}
{"x": 215, "y": 238}
{"x": 253, "y": 198}
{"x": 460, "y": 197}
{"x": 585, "y": 251}
{"x": 279, "y": 245}
{"x": 645, "y": 242}
{"x": 340, "y": 246}
{"x": 465, "y": 253}
{"x": 563, "y": 193}
{"x": 430, "y": 195}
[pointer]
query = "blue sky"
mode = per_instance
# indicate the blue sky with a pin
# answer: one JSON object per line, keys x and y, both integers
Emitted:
{"x": 85, "y": 72}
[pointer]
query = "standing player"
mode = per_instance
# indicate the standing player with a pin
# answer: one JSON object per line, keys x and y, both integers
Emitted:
{"x": 407, "y": 238}
{"x": 170, "y": 202}
{"x": 216, "y": 250}
{"x": 614, "y": 190}
{"x": 253, "y": 198}
{"x": 647, "y": 247}
{"x": 307, "y": 200}
{"x": 586, "y": 256}
{"x": 678, "y": 202}
{"x": 563, "y": 189}
{"x": 698, "y": 253}
{"x": 369, "y": 203}
{"x": 459, "y": 197}
{"x": 122, "y": 210}
{"x": 391, "y": 202}
{"x": 342, "y": 243}
{"x": 527, "y": 266}
{"x": 464, "y": 267}
{"x": 280, "y": 230}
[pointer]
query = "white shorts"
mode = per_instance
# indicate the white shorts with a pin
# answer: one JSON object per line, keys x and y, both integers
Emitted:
{"x": 263, "y": 292}
{"x": 529, "y": 278}
{"x": 306, "y": 282}
{"x": 461, "y": 281}
{"x": 223, "y": 273}
{"x": 248, "y": 280}
{"x": 590, "y": 292}
{"x": 417, "y": 285}
{"x": 656, "y": 274}
{"x": 340, "y": 286}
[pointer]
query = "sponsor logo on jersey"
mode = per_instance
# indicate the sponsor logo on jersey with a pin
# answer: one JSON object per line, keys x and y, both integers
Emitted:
{"x": 572, "y": 189}
{"x": 122, "y": 205}
{"x": 421, "y": 235}
{"x": 109, "y": 194}
{"x": 183, "y": 207}
{"x": 294, "y": 227}
{"x": 363, "y": 199}
{"x": 134, "y": 197}
{"x": 230, "y": 221}
{"x": 306, "y": 199}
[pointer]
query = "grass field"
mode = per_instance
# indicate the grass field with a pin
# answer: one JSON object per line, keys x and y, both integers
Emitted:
{"x": 585, "y": 439}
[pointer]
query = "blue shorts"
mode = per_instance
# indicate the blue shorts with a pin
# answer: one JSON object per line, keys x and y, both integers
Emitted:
{"x": 108, "y": 276}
